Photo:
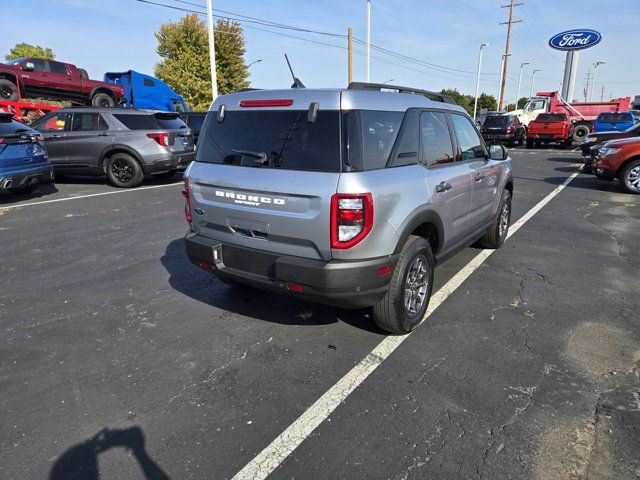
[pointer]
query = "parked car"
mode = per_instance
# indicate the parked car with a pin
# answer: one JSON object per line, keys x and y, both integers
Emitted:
{"x": 600, "y": 137}
{"x": 550, "y": 128}
{"x": 483, "y": 116}
{"x": 194, "y": 121}
{"x": 122, "y": 143}
{"x": 41, "y": 78}
{"x": 503, "y": 129}
{"x": 620, "y": 159}
{"x": 619, "y": 121}
{"x": 23, "y": 158}
{"x": 145, "y": 91}
{"x": 343, "y": 196}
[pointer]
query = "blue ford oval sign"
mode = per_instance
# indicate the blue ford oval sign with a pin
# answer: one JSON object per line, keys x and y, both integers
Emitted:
{"x": 575, "y": 39}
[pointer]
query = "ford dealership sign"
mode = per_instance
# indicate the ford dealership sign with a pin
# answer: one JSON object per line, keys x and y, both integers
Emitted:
{"x": 575, "y": 39}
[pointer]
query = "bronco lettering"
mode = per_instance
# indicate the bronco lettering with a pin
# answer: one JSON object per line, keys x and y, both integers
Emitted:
{"x": 249, "y": 199}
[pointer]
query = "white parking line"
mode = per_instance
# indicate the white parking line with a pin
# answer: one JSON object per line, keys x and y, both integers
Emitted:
{"x": 78, "y": 197}
{"x": 276, "y": 452}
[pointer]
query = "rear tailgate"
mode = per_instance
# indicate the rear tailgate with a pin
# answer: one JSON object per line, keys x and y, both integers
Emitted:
{"x": 264, "y": 176}
{"x": 554, "y": 129}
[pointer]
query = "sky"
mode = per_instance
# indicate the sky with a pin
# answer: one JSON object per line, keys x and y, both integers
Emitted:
{"x": 440, "y": 37}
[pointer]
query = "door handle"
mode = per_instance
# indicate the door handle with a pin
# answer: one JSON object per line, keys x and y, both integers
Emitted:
{"x": 443, "y": 187}
{"x": 480, "y": 176}
{"x": 103, "y": 134}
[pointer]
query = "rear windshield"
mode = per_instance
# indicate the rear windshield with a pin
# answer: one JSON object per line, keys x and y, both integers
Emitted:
{"x": 496, "y": 122}
{"x": 551, "y": 117}
{"x": 273, "y": 138}
{"x": 150, "y": 122}
{"x": 615, "y": 117}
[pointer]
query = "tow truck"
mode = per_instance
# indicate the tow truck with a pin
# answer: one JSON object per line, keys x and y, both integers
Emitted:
{"x": 581, "y": 114}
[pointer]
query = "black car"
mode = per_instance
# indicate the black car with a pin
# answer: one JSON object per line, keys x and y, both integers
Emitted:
{"x": 124, "y": 144}
{"x": 194, "y": 121}
{"x": 503, "y": 129}
{"x": 598, "y": 138}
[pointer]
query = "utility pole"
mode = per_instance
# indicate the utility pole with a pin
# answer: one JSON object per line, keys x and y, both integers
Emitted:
{"x": 368, "y": 41}
{"x": 586, "y": 88}
{"x": 350, "y": 55}
{"x": 595, "y": 69}
{"x": 212, "y": 51}
{"x": 510, "y": 22}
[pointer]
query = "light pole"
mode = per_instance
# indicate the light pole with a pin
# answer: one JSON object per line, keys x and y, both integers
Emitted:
{"x": 533, "y": 77}
{"x": 253, "y": 63}
{"x": 212, "y": 51}
{"x": 475, "y": 103}
{"x": 501, "y": 91}
{"x": 368, "y": 40}
{"x": 595, "y": 69}
{"x": 519, "y": 81}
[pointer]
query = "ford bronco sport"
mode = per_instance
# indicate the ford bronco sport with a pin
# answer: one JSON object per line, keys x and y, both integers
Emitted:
{"x": 347, "y": 197}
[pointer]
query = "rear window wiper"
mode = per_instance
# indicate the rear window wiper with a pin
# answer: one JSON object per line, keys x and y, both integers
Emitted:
{"x": 260, "y": 157}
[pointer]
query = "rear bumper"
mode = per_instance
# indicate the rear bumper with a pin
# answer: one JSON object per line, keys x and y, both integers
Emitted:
{"x": 492, "y": 137}
{"x": 348, "y": 284}
{"x": 25, "y": 176}
{"x": 165, "y": 163}
{"x": 547, "y": 137}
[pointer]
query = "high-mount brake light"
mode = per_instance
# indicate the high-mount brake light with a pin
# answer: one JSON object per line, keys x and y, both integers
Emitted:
{"x": 186, "y": 193}
{"x": 351, "y": 219}
{"x": 266, "y": 103}
{"x": 161, "y": 138}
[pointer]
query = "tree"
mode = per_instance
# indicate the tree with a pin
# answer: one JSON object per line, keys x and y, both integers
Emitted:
{"x": 28, "y": 50}
{"x": 185, "y": 66}
{"x": 487, "y": 101}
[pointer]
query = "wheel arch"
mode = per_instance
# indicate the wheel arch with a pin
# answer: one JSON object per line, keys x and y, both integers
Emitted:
{"x": 114, "y": 149}
{"x": 426, "y": 224}
{"x": 627, "y": 162}
{"x": 12, "y": 78}
{"x": 97, "y": 90}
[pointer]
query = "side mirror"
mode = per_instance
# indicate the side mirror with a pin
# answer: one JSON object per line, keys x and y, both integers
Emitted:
{"x": 28, "y": 67}
{"x": 498, "y": 152}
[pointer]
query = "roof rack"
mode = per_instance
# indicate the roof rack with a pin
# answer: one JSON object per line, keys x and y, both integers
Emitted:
{"x": 435, "y": 96}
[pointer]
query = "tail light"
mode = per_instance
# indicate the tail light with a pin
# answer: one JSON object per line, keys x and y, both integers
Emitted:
{"x": 351, "y": 219}
{"x": 593, "y": 128}
{"x": 509, "y": 129}
{"x": 186, "y": 193}
{"x": 161, "y": 139}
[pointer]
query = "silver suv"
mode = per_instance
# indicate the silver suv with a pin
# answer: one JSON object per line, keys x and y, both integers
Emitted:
{"x": 346, "y": 196}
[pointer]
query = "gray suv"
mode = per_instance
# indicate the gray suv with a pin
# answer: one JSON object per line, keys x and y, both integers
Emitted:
{"x": 122, "y": 143}
{"x": 348, "y": 197}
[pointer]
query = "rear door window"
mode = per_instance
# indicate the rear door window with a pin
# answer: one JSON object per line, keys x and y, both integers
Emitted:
{"x": 137, "y": 122}
{"x": 273, "y": 138}
{"x": 87, "y": 122}
{"x": 371, "y": 136}
{"x": 435, "y": 139}
{"x": 57, "y": 67}
{"x": 54, "y": 123}
{"x": 469, "y": 141}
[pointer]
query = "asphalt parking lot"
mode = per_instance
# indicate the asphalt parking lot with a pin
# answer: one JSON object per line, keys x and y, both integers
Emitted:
{"x": 119, "y": 359}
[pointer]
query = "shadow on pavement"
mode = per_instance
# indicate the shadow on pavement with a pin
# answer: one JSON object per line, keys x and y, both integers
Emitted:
{"x": 80, "y": 462}
{"x": 7, "y": 198}
{"x": 254, "y": 303}
{"x": 588, "y": 182}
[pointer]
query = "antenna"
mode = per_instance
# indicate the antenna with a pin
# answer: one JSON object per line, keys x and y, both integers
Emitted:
{"x": 296, "y": 81}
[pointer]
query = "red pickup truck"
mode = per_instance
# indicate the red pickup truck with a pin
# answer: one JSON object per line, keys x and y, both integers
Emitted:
{"x": 41, "y": 78}
{"x": 550, "y": 127}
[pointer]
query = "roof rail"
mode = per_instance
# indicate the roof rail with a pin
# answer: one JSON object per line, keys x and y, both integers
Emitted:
{"x": 435, "y": 96}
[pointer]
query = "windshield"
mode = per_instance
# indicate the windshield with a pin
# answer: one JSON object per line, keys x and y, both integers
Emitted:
{"x": 551, "y": 117}
{"x": 274, "y": 138}
{"x": 615, "y": 117}
{"x": 499, "y": 121}
{"x": 16, "y": 61}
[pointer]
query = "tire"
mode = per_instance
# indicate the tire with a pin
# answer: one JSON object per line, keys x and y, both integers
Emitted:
{"x": 580, "y": 131}
{"x": 124, "y": 171}
{"x": 8, "y": 90}
{"x": 103, "y": 100}
{"x": 529, "y": 143}
{"x": 497, "y": 232}
{"x": 25, "y": 190}
{"x": 523, "y": 139}
{"x": 390, "y": 313}
{"x": 629, "y": 177}
{"x": 165, "y": 175}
